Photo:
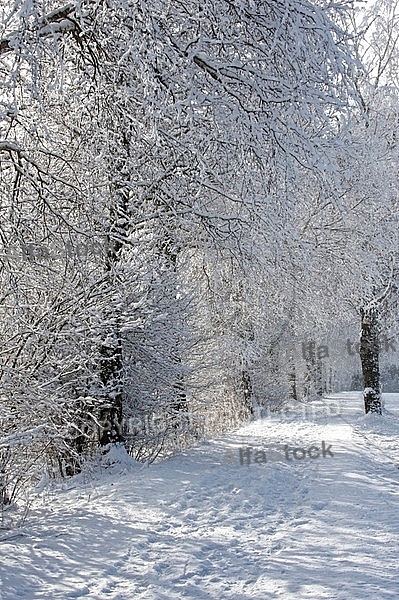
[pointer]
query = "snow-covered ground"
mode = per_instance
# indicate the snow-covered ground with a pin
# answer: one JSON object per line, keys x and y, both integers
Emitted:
{"x": 201, "y": 525}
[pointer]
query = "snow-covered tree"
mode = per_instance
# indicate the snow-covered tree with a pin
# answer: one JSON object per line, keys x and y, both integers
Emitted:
{"x": 155, "y": 131}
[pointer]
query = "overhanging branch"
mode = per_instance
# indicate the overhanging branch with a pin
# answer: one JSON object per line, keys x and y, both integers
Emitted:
{"x": 57, "y": 21}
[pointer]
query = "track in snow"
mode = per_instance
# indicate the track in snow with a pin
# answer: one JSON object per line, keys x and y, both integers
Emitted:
{"x": 195, "y": 528}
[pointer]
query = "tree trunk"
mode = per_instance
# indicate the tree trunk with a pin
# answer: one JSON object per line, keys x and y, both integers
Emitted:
{"x": 179, "y": 403}
{"x": 110, "y": 351}
{"x": 292, "y": 384}
{"x": 247, "y": 387}
{"x": 110, "y": 414}
{"x": 292, "y": 377}
{"x": 369, "y": 356}
{"x": 318, "y": 374}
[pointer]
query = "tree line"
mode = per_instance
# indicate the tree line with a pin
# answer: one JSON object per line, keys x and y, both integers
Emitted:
{"x": 234, "y": 165}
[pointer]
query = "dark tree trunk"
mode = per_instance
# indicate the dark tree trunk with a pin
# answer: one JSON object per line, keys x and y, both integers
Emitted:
{"x": 318, "y": 373}
{"x": 179, "y": 403}
{"x": 369, "y": 356}
{"x": 247, "y": 388}
{"x": 292, "y": 377}
{"x": 292, "y": 383}
{"x": 313, "y": 379}
{"x": 312, "y": 382}
{"x": 110, "y": 412}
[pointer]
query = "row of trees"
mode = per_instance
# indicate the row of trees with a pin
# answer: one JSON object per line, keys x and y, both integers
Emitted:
{"x": 233, "y": 166}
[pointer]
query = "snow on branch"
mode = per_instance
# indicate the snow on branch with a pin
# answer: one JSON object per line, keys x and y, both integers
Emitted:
{"x": 57, "y": 21}
{"x": 7, "y": 146}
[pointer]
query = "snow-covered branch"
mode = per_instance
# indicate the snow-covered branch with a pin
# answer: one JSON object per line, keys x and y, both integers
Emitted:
{"x": 57, "y": 21}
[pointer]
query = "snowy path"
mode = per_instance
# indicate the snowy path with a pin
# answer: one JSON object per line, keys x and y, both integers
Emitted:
{"x": 194, "y": 527}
